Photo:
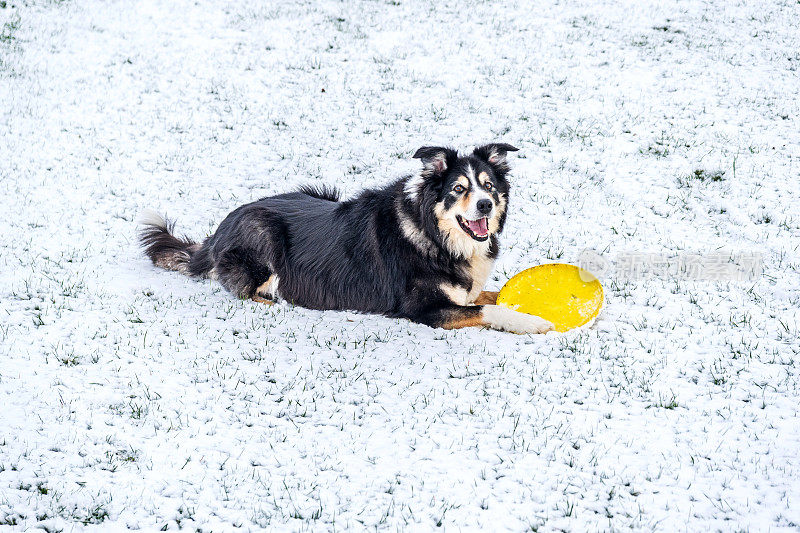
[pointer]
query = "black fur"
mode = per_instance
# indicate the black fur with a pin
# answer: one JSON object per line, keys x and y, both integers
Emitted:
{"x": 332, "y": 254}
{"x": 323, "y": 192}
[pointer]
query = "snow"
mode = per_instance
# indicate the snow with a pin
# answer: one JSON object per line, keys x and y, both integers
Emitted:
{"x": 136, "y": 398}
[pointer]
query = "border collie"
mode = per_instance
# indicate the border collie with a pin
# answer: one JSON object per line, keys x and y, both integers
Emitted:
{"x": 420, "y": 248}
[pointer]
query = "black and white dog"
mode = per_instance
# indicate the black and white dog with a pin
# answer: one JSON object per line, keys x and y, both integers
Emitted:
{"x": 420, "y": 248}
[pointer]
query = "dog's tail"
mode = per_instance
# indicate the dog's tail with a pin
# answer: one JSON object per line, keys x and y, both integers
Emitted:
{"x": 163, "y": 248}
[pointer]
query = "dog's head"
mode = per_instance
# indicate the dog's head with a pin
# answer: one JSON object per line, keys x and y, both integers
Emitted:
{"x": 463, "y": 199}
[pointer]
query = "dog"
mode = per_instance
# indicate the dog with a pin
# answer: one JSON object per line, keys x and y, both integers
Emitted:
{"x": 420, "y": 248}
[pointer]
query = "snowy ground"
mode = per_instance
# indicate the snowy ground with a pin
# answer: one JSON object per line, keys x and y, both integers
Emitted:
{"x": 132, "y": 397}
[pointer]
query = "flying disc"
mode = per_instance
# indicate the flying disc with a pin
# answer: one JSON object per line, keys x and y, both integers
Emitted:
{"x": 566, "y": 295}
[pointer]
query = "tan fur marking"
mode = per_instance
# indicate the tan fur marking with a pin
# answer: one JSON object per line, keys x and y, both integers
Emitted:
{"x": 264, "y": 288}
{"x": 486, "y": 298}
{"x": 483, "y": 177}
{"x": 464, "y": 322}
{"x": 268, "y": 289}
{"x": 259, "y": 299}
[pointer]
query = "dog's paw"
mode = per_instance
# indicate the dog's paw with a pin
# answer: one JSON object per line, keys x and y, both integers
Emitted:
{"x": 505, "y": 319}
{"x": 537, "y": 325}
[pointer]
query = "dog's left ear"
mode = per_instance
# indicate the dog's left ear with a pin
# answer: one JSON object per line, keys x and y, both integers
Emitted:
{"x": 495, "y": 154}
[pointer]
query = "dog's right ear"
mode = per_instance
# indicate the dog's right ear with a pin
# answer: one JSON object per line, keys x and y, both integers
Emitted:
{"x": 435, "y": 159}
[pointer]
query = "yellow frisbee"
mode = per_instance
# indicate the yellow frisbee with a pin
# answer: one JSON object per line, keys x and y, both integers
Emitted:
{"x": 565, "y": 295}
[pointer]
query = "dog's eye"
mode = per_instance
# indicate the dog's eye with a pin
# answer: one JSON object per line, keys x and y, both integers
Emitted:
{"x": 488, "y": 186}
{"x": 458, "y": 188}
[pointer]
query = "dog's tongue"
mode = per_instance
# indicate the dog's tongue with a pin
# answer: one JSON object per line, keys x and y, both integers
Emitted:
{"x": 478, "y": 227}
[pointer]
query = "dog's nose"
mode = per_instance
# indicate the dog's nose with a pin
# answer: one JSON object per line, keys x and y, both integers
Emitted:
{"x": 484, "y": 206}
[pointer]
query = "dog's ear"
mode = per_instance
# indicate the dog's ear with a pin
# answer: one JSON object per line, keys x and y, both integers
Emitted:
{"x": 495, "y": 154}
{"x": 435, "y": 159}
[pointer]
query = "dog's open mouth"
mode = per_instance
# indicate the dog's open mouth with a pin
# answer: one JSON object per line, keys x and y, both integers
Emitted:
{"x": 477, "y": 229}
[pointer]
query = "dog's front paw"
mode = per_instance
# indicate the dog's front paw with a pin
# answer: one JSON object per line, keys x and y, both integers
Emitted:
{"x": 536, "y": 324}
{"x": 505, "y": 319}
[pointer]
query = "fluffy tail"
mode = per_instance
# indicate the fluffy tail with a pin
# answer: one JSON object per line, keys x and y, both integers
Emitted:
{"x": 161, "y": 246}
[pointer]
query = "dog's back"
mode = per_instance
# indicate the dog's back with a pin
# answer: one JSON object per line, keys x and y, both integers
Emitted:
{"x": 304, "y": 247}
